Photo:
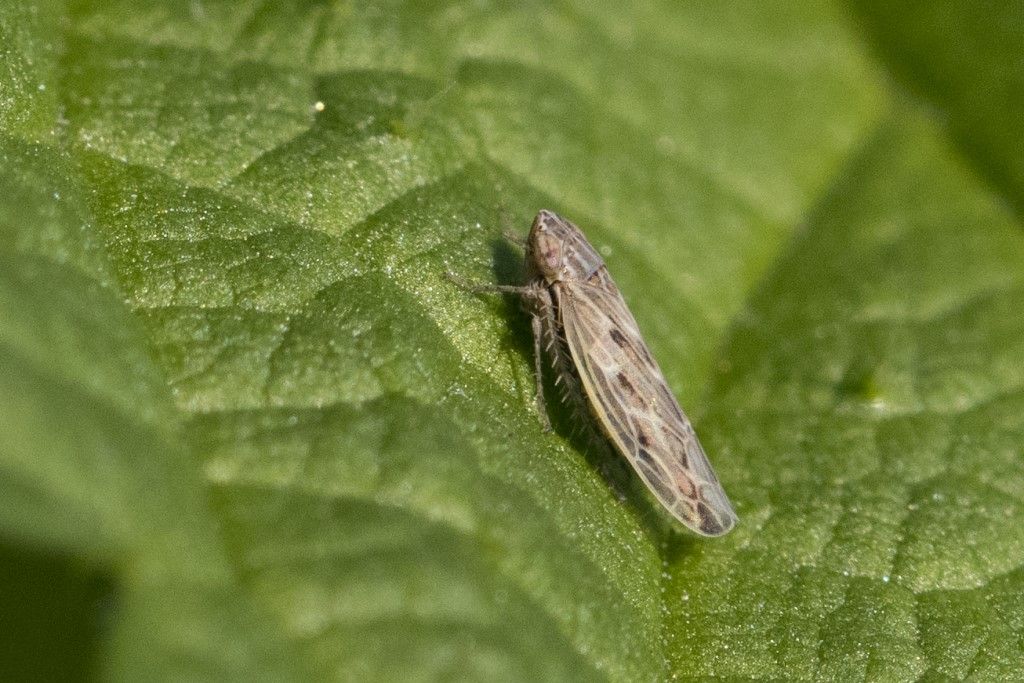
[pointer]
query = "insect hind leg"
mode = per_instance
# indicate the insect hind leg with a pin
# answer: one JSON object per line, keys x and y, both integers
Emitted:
{"x": 547, "y": 330}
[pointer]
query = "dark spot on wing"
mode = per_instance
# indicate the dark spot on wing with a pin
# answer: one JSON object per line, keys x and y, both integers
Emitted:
{"x": 644, "y": 440}
{"x": 686, "y": 486}
{"x": 618, "y": 338}
{"x": 708, "y": 523}
{"x": 645, "y": 456}
{"x": 676, "y": 445}
{"x": 626, "y": 384}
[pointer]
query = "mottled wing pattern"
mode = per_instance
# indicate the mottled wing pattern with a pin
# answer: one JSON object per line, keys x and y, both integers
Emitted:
{"x": 630, "y": 398}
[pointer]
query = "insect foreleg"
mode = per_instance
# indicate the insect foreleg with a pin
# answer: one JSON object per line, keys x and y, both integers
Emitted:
{"x": 528, "y": 291}
{"x": 541, "y": 318}
{"x": 538, "y": 363}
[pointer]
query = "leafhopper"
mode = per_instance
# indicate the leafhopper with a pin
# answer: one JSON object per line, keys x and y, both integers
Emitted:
{"x": 580, "y": 318}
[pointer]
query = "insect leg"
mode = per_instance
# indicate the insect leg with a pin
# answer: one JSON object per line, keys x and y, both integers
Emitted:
{"x": 541, "y": 312}
{"x": 538, "y": 342}
{"x": 527, "y": 291}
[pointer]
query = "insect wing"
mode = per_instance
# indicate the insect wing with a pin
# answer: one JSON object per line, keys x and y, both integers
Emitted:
{"x": 630, "y": 398}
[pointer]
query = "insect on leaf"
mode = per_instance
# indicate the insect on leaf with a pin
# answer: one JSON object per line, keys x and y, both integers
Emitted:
{"x": 581, "y": 318}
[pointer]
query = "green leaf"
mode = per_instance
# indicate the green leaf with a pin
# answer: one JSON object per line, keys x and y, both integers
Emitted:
{"x": 250, "y": 429}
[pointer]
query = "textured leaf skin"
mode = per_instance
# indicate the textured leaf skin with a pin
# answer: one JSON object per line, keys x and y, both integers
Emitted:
{"x": 248, "y": 430}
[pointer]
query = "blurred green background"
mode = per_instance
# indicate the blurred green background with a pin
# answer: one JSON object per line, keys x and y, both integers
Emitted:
{"x": 248, "y": 430}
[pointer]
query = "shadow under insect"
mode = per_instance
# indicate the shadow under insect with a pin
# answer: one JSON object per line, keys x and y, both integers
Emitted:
{"x": 567, "y": 406}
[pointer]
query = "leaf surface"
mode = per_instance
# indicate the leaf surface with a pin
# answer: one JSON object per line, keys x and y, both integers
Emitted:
{"x": 250, "y": 429}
